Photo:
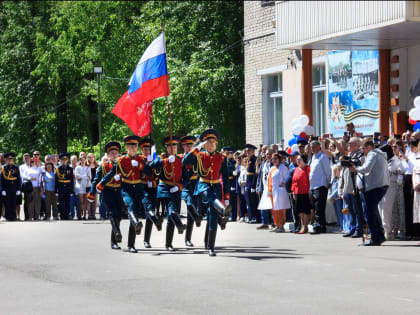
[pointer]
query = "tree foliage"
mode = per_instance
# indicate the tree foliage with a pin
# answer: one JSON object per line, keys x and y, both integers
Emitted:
{"x": 48, "y": 94}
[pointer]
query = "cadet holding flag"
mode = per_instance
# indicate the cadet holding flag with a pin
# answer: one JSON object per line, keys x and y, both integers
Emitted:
{"x": 130, "y": 166}
{"x": 10, "y": 185}
{"x": 172, "y": 176}
{"x": 210, "y": 165}
{"x": 111, "y": 192}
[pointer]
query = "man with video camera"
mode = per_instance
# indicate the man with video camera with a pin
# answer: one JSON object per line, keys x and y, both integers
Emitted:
{"x": 349, "y": 190}
{"x": 375, "y": 169}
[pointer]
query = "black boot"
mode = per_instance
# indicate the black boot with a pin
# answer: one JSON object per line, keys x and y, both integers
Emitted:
{"x": 175, "y": 218}
{"x": 212, "y": 241}
{"x": 206, "y": 237}
{"x": 188, "y": 233}
{"x": 135, "y": 223}
{"x": 193, "y": 212}
{"x": 153, "y": 218}
{"x": 147, "y": 233}
{"x": 169, "y": 236}
{"x": 115, "y": 223}
{"x": 114, "y": 244}
{"x": 131, "y": 239}
{"x": 221, "y": 209}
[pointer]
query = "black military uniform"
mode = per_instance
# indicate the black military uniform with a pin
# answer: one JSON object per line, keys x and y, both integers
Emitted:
{"x": 231, "y": 165}
{"x": 64, "y": 185}
{"x": 10, "y": 186}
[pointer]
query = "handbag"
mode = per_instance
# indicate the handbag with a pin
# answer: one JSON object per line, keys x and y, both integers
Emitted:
{"x": 27, "y": 187}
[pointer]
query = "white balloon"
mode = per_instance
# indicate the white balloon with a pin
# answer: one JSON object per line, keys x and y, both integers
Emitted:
{"x": 309, "y": 130}
{"x": 417, "y": 101}
{"x": 296, "y": 122}
{"x": 295, "y": 148}
{"x": 298, "y": 129}
{"x": 414, "y": 113}
{"x": 304, "y": 120}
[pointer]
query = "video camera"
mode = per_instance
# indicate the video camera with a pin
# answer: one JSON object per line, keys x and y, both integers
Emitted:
{"x": 346, "y": 161}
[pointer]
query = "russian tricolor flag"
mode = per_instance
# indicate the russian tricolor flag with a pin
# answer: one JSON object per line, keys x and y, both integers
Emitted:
{"x": 149, "y": 81}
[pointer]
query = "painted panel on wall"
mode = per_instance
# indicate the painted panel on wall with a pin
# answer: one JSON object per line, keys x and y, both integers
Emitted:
{"x": 353, "y": 91}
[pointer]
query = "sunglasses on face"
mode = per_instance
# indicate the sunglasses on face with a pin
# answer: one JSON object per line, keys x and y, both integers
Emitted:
{"x": 36, "y": 154}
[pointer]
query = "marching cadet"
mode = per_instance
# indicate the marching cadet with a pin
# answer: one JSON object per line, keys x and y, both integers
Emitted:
{"x": 130, "y": 166}
{"x": 210, "y": 165}
{"x": 111, "y": 198}
{"x": 10, "y": 185}
{"x": 150, "y": 196}
{"x": 172, "y": 176}
{"x": 64, "y": 185}
{"x": 187, "y": 194}
{"x": 231, "y": 165}
{"x": 251, "y": 196}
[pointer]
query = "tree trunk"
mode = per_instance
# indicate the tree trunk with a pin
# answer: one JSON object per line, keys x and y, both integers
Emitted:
{"x": 61, "y": 120}
{"x": 93, "y": 120}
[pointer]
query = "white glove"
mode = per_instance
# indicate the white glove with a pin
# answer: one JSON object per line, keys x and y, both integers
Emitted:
{"x": 149, "y": 158}
{"x": 149, "y": 184}
{"x": 232, "y": 188}
{"x": 3, "y": 193}
{"x": 17, "y": 192}
{"x": 56, "y": 194}
{"x": 71, "y": 195}
{"x": 253, "y": 190}
{"x": 201, "y": 145}
{"x": 98, "y": 191}
{"x": 171, "y": 159}
{"x": 134, "y": 163}
{"x": 174, "y": 189}
{"x": 235, "y": 173}
{"x": 117, "y": 177}
{"x": 226, "y": 202}
{"x": 91, "y": 201}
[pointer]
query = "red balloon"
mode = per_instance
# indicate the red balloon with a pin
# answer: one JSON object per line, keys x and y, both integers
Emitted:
{"x": 412, "y": 122}
{"x": 303, "y": 135}
{"x": 289, "y": 151}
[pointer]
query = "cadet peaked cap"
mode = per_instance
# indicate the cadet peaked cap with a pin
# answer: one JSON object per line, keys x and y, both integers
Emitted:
{"x": 167, "y": 140}
{"x": 9, "y": 155}
{"x": 147, "y": 142}
{"x": 302, "y": 143}
{"x": 228, "y": 149}
{"x": 112, "y": 145}
{"x": 64, "y": 155}
{"x": 283, "y": 153}
{"x": 209, "y": 134}
{"x": 250, "y": 147}
{"x": 133, "y": 139}
{"x": 187, "y": 140}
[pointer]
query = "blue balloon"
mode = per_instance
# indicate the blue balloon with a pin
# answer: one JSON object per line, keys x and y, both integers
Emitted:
{"x": 292, "y": 142}
{"x": 416, "y": 127}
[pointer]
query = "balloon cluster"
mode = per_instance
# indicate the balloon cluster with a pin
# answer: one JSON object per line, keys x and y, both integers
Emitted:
{"x": 301, "y": 130}
{"x": 414, "y": 115}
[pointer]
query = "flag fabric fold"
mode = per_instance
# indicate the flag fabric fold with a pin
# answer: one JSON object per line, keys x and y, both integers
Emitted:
{"x": 148, "y": 82}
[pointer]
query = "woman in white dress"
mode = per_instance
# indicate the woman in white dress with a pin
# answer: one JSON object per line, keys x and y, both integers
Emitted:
{"x": 278, "y": 193}
{"x": 265, "y": 202}
{"x": 416, "y": 188}
{"x": 83, "y": 183}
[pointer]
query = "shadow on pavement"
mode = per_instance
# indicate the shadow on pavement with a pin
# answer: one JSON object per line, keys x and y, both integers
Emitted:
{"x": 244, "y": 252}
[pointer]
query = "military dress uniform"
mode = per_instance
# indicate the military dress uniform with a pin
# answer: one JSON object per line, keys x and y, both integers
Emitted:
{"x": 209, "y": 188}
{"x": 131, "y": 169}
{"x": 149, "y": 200}
{"x": 64, "y": 186}
{"x": 111, "y": 199}
{"x": 231, "y": 166}
{"x": 191, "y": 200}
{"x": 250, "y": 195}
{"x": 172, "y": 176}
{"x": 10, "y": 187}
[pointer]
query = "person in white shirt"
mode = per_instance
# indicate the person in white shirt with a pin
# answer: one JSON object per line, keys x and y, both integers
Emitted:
{"x": 83, "y": 183}
{"x": 33, "y": 174}
{"x": 22, "y": 169}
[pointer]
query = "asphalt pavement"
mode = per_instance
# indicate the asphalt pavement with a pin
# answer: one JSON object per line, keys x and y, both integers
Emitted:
{"x": 69, "y": 268}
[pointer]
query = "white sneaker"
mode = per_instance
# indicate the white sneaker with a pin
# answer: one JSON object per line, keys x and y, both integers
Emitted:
{"x": 242, "y": 219}
{"x": 2, "y": 219}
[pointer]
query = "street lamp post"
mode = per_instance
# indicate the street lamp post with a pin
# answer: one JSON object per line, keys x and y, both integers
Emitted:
{"x": 98, "y": 70}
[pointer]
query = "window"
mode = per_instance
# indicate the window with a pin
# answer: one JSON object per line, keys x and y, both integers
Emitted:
{"x": 319, "y": 100}
{"x": 274, "y": 109}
